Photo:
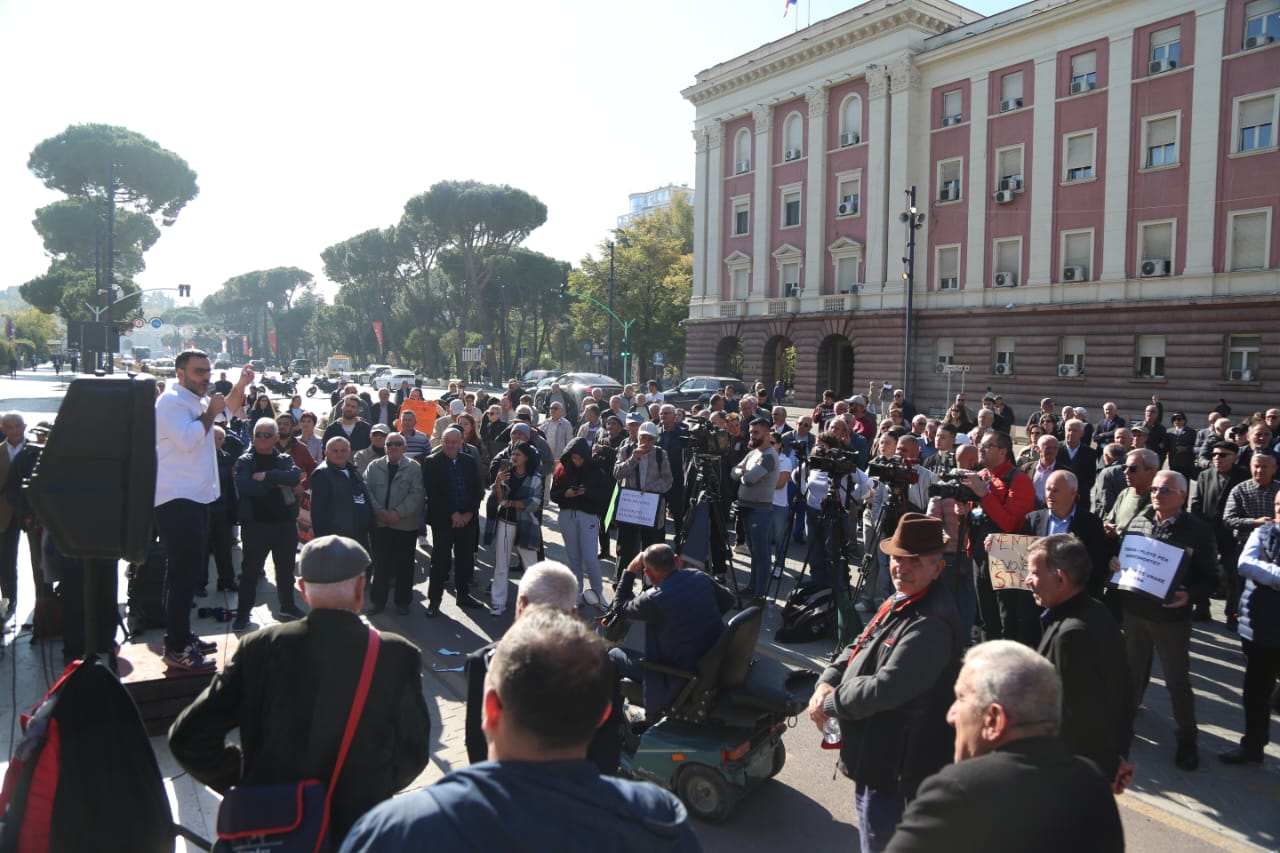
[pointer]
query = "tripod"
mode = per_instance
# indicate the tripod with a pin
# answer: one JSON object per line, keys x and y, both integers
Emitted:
{"x": 704, "y": 539}
{"x": 888, "y": 516}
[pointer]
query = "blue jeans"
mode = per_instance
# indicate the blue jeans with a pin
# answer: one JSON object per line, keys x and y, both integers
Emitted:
{"x": 878, "y": 816}
{"x": 778, "y": 533}
{"x": 758, "y": 526}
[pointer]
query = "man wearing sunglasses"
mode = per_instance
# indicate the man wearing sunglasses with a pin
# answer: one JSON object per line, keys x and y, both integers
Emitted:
{"x": 1165, "y": 626}
{"x": 1209, "y": 503}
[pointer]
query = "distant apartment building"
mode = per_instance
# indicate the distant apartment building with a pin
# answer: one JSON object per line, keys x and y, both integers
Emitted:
{"x": 1099, "y": 181}
{"x": 642, "y": 204}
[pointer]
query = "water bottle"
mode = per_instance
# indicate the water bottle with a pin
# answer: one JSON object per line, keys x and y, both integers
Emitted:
{"x": 831, "y": 733}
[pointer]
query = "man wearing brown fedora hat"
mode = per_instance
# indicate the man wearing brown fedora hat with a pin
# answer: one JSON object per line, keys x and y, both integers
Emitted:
{"x": 891, "y": 692}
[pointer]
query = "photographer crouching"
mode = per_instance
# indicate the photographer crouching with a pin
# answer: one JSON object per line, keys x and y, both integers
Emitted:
{"x": 1004, "y": 496}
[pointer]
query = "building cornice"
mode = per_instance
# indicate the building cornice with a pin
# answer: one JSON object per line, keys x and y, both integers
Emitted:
{"x": 807, "y": 47}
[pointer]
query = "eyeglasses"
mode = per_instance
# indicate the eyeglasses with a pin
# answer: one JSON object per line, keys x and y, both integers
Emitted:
{"x": 1163, "y": 490}
{"x": 1130, "y": 469}
{"x": 1221, "y": 455}
{"x": 264, "y": 435}
{"x": 395, "y": 444}
{"x": 982, "y": 447}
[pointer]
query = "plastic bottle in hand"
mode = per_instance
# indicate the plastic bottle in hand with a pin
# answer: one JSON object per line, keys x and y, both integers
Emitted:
{"x": 831, "y": 733}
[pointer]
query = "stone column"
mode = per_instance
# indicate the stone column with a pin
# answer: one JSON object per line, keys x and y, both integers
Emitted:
{"x": 817, "y": 210}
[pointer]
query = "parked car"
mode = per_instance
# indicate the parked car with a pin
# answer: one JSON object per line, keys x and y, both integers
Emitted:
{"x": 259, "y": 366}
{"x": 160, "y": 367}
{"x": 300, "y": 366}
{"x": 532, "y": 379}
{"x": 371, "y": 372}
{"x": 393, "y": 377}
{"x": 698, "y": 389}
{"x": 579, "y": 385}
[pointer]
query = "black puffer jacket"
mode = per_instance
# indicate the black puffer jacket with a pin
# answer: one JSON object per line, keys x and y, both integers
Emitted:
{"x": 591, "y": 476}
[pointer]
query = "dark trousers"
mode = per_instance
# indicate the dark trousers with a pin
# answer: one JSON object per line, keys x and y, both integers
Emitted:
{"x": 1019, "y": 616}
{"x": 183, "y": 527}
{"x": 9, "y": 561}
{"x": 1229, "y": 556}
{"x": 395, "y": 552}
{"x": 988, "y": 607}
{"x": 280, "y": 540}
{"x": 1261, "y": 671}
{"x": 453, "y": 549}
{"x": 878, "y": 816}
{"x": 1172, "y": 641}
{"x": 632, "y": 539}
{"x": 220, "y": 524}
{"x": 71, "y": 591}
{"x": 604, "y": 538}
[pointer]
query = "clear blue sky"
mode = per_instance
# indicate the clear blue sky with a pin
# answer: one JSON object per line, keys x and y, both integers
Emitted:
{"x": 309, "y": 122}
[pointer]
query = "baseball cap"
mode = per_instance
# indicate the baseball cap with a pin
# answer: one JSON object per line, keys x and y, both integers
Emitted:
{"x": 635, "y": 418}
{"x": 649, "y": 428}
{"x": 379, "y": 428}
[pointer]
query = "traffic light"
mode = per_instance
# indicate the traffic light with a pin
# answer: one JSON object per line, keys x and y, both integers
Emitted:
{"x": 626, "y": 350}
{"x": 564, "y": 289}
{"x": 184, "y": 290}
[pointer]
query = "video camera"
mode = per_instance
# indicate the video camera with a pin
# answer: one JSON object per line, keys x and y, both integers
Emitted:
{"x": 894, "y": 471}
{"x": 951, "y": 485}
{"x": 704, "y": 437}
{"x": 837, "y": 463}
{"x": 797, "y": 446}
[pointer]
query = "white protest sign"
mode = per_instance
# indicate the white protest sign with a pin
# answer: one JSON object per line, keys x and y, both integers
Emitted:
{"x": 636, "y": 507}
{"x": 1148, "y": 566}
{"x": 1007, "y": 560}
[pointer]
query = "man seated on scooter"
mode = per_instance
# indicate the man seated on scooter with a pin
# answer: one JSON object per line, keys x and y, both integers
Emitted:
{"x": 681, "y": 610}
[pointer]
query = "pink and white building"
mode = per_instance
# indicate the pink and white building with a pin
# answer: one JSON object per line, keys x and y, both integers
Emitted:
{"x": 1099, "y": 178}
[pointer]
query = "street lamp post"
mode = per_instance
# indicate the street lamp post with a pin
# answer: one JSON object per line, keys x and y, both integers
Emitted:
{"x": 913, "y": 220}
{"x": 610, "y": 370}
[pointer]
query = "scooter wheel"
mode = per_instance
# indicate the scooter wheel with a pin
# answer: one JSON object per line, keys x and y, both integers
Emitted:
{"x": 311, "y": 392}
{"x": 779, "y": 759}
{"x": 706, "y": 793}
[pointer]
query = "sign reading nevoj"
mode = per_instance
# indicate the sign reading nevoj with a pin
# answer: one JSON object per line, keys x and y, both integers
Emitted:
{"x": 1149, "y": 566}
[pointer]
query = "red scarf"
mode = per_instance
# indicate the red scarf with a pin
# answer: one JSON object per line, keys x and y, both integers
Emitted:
{"x": 884, "y": 611}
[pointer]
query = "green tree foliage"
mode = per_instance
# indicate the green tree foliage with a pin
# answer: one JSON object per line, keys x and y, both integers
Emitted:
{"x": 369, "y": 269}
{"x": 653, "y": 282}
{"x": 263, "y": 300}
{"x": 38, "y": 328}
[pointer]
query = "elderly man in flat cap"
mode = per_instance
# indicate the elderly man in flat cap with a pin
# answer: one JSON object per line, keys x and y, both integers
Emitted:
{"x": 289, "y": 687}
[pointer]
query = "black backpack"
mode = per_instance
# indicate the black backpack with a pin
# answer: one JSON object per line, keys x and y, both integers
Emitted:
{"x": 810, "y": 614}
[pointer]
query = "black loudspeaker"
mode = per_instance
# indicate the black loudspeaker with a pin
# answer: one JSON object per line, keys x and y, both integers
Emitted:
{"x": 94, "y": 486}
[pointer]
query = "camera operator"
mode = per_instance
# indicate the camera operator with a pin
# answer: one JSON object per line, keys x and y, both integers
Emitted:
{"x": 757, "y": 477}
{"x": 896, "y": 473}
{"x": 830, "y": 467}
{"x": 944, "y": 447}
{"x": 800, "y": 443}
{"x": 1005, "y": 496}
{"x": 950, "y": 501}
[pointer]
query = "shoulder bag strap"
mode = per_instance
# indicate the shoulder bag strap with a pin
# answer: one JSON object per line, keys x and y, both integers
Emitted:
{"x": 353, "y": 719}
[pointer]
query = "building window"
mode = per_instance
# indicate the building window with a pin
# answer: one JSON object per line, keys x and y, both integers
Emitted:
{"x": 741, "y": 216}
{"x": 1250, "y": 241}
{"x": 1261, "y": 22}
{"x": 1084, "y": 72}
{"x": 1011, "y": 91}
{"x": 742, "y": 151}
{"x": 1077, "y": 255}
{"x": 1161, "y": 141}
{"x": 1006, "y": 255}
{"x": 851, "y": 121}
{"x": 790, "y": 206}
{"x": 1003, "y": 351}
{"x": 946, "y": 352}
{"x": 789, "y": 276}
{"x": 849, "y": 194}
{"x": 1009, "y": 168}
{"x": 740, "y": 278}
{"x": 1071, "y": 355}
{"x": 793, "y": 135}
{"x": 1155, "y": 248}
{"x": 1256, "y": 122}
{"x": 947, "y": 264}
{"x": 949, "y": 179}
{"x": 1242, "y": 357}
{"x": 1078, "y": 155}
{"x": 1150, "y": 352}
{"x": 847, "y": 273}
{"x": 1166, "y": 49}
{"x": 951, "y": 112}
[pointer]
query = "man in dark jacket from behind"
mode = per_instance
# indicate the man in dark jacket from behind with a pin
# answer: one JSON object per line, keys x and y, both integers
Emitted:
{"x": 548, "y": 688}
{"x": 289, "y": 688}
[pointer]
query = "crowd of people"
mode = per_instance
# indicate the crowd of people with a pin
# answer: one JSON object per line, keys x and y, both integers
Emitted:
{"x": 955, "y": 667}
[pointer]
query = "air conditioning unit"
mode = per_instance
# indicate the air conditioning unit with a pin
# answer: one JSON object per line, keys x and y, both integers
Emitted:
{"x": 947, "y": 121}
{"x": 1006, "y": 279}
{"x": 1236, "y": 375}
{"x": 1003, "y": 369}
{"x": 940, "y": 367}
{"x": 950, "y": 191}
{"x": 1068, "y": 370}
{"x": 1155, "y": 268}
{"x": 1258, "y": 41}
{"x": 1159, "y": 66}
{"x": 1003, "y": 196}
{"x": 1011, "y": 182}
{"x": 848, "y": 206}
{"x": 793, "y": 288}
{"x": 1074, "y": 274}
{"x": 1082, "y": 86}
{"x": 849, "y": 139}
{"x": 1010, "y": 104}
{"x": 949, "y": 283}
{"x": 791, "y": 154}
{"x": 741, "y": 166}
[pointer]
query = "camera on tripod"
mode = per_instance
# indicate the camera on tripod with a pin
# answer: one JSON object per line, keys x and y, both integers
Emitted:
{"x": 705, "y": 437}
{"x": 837, "y": 463}
{"x": 797, "y": 446}
{"x": 950, "y": 484}
{"x": 893, "y": 471}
